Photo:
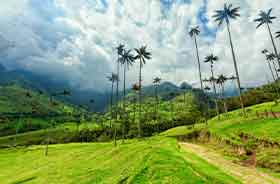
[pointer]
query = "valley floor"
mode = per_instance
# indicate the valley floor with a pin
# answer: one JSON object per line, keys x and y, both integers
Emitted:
{"x": 158, "y": 159}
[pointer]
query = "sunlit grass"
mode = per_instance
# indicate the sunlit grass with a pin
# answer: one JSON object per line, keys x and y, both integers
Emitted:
{"x": 152, "y": 160}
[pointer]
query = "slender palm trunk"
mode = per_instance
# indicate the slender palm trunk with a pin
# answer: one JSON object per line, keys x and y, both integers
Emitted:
{"x": 275, "y": 69}
{"x": 172, "y": 112}
{"x": 273, "y": 43}
{"x": 270, "y": 68}
{"x": 112, "y": 92}
{"x": 140, "y": 99}
{"x": 124, "y": 85}
{"x": 115, "y": 135}
{"x": 124, "y": 100}
{"x": 223, "y": 98}
{"x": 47, "y": 146}
{"x": 215, "y": 93}
{"x": 236, "y": 70}
{"x": 48, "y": 136}
{"x": 156, "y": 97}
{"x": 118, "y": 74}
{"x": 134, "y": 111}
{"x": 156, "y": 106}
{"x": 275, "y": 80}
{"x": 198, "y": 62}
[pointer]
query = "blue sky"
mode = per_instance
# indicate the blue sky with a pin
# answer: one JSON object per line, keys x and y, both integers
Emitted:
{"x": 75, "y": 40}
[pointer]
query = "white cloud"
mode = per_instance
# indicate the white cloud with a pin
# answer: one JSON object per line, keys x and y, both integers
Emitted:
{"x": 75, "y": 40}
{"x": 248, "y": 41}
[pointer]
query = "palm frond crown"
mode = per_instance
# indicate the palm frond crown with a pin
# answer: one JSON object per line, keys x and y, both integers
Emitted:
{"x": 227, "y": 13}
{"x": 113, "y": 77}
{"x": 120, "y": 49}
{"x": 221, "y": 79}
{"x": 207, "y": 88}
{"x": 270, "y": 56}
{"x": 127, "y": 58}
{"x": 157, "y": 80}
{"x": 143, "y": 54}
{"x": 194, "y": 31}
{"x": 277, "y": 34}
{"x": 264, "y": 51}
{"x": 264, "y": 18}
{"x": 211, "y": 59}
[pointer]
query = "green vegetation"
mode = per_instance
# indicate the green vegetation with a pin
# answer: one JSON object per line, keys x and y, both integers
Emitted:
{"x": 100, "y": 128}
{"x": 152, "y": 160}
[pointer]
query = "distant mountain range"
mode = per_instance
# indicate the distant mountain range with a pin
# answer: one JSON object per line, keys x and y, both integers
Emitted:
{"x": 29, "y": 80}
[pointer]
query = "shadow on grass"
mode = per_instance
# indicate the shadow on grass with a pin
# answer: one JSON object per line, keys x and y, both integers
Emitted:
{"x": 25, "y": 180}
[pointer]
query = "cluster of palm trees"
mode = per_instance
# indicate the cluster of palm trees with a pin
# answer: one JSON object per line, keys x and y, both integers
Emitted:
{"x": 225, "y": 15}
{"x": 127, "y": 59}
{"x": 221, "y": 16}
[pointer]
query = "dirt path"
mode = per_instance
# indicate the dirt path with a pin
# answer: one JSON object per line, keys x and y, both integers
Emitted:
{"x": 244, "y": 174}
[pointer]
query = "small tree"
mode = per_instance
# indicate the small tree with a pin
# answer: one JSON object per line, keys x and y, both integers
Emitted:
{"x": 221, "y": 82}
{"x": 53, "y": 123}
{"x": 212, "y": 59}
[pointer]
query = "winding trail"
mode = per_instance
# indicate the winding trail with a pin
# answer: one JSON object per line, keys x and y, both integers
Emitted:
{"x": 246, "y": 175}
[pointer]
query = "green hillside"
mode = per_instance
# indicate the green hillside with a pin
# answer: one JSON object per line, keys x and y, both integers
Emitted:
{"x": 24, "y": 109}
{"x": 15, "y": 99}
{"x": 237, "y": 137}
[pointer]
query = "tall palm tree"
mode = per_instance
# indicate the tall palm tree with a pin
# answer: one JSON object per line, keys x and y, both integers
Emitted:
{"x": 265, "y": 18}
{"x": 142, "y": 55}
{"x": 221, "y": 80}
{"x": 265, "y": 52}
{"x": 136, "y": 89}
{"x": 53, "y": 123}
{"x": 171, "y": 97}
{"x": 194, "y": 32}
{"x": 120, "y": 51}
{"x": 212, "y": 59}
{"x": 113, "y": 78}
{"x": 156, "y": 82}
{"x": 184, "y": 88}
{"x": 127, "y": 60}
{"x": 207, "y": 90}
{"x": 224, "y": 15}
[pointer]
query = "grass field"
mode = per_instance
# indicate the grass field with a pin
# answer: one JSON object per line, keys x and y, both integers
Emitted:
{"x": 152, "y": 160}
